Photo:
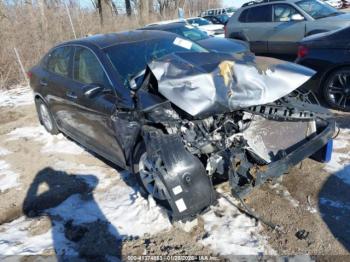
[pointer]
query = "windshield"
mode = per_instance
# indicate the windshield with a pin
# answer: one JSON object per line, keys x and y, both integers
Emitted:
{"x": 130, "y": 58}
{"x": 317, "y": 9}
{"x": 223, "y": 18}
{"x": 199, "y": 21}
{"x": 190, "y": 32}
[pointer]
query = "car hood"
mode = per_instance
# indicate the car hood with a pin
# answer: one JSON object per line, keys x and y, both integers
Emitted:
{"x": 224, "y": 45}
{"x": 204, "y": 84}
{"x": 345, "y": 17}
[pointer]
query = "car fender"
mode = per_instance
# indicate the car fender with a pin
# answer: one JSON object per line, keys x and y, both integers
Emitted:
{"x": 239, "y": 36}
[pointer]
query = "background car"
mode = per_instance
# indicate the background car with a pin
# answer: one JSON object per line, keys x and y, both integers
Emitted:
{"x": 335, "y": 3}
{"x": 217, "y": 19}
{"x": 207, "y": 26}
{"x": 219, "y": 11}
{"x": 328, "y": 54}
{"x": 202, "y": 38}
{"x": 276, "y": 27}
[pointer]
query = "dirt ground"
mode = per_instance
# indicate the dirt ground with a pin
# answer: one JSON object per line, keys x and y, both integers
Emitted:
{"x": 298, "y": 203}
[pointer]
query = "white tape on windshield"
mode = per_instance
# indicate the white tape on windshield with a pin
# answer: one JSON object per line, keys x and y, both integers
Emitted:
{"x": 183, "y": 43}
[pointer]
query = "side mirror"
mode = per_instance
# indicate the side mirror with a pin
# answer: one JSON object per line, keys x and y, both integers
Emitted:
{"x": 297, "y": 17}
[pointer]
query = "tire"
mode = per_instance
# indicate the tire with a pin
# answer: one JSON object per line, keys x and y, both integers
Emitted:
{"x": 45, "y": 117}
{"x": 138, "y": 167}
{"x": 336, "y": 89}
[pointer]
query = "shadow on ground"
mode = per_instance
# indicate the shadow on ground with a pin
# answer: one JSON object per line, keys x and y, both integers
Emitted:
{"x": 334, "y": 205}
{"x": 92, "y": 238}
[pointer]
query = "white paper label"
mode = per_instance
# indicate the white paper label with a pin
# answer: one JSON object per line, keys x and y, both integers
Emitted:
{"x": 181, "y": 206}
{"x": 177, "y": 190}
{"x": 183, "y": 43}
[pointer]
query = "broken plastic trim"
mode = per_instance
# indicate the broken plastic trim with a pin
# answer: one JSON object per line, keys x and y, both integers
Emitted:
{"x": 279, "y": 167}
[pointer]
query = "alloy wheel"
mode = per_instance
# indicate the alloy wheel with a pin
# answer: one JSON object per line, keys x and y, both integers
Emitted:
{"x": 338, "y": 90}
{"x": 148, "y": 171}
{"x": 45, "y": 117}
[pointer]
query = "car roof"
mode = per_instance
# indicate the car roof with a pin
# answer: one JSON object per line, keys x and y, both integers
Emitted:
{"x": 173, "y": 25}
{"x": 254, "y": 3}
{"x": 164, "y": 22}
{"x": 106, "y": 40}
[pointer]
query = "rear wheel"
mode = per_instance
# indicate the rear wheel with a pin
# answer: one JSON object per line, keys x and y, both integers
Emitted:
{"x": 336, "y": 89}
{"x": 46, "y": 118}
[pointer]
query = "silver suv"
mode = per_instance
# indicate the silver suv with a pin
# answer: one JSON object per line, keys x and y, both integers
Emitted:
{"x": 276, "y": 26}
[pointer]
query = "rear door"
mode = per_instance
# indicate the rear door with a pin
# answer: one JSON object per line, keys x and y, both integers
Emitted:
{"x": 285, "y": 33}
{"x": 56, "y": 83}
{"x": 256, "y": 22}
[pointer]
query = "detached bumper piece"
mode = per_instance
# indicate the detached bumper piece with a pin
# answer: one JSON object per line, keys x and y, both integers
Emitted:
{"x": 244, "y": 175}
{"x": 188, "y": 188}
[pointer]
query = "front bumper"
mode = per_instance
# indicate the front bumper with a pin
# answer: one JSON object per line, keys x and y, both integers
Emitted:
{"x": 287, "y": 160}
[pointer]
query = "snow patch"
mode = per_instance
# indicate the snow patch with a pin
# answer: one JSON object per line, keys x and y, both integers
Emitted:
{"x": 15, "y": 239}
{"x": 335, "y": 204}
{"x": 231, "y": 232}
{"x": 4, "y": 151}
{"x": 18, "y": 96}
{"x": 340, "y": 162}
{"x": 52, "y": 144}
{"x": 8, "y": 178}
{"x": 120, "y": 205}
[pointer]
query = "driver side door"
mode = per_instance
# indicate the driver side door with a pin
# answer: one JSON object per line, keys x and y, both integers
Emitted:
{"x": 93, "y": 110}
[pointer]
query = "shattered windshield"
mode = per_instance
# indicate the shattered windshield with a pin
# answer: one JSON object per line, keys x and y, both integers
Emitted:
{"x": 130, "y": 58}
{"x": 317, "y": 9}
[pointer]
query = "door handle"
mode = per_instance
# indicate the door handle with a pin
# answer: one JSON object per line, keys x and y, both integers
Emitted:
{"x": 43, "y": 83}
{"x": 71, "y": 95}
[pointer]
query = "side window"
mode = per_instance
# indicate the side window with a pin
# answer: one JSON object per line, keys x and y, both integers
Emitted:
{"x": 87, "y": 69}
{"x": 283, "y": 12}
{"x": 258, "y": 14}
{"x": 58, "y": 61}
{"x": 243, "y": 17}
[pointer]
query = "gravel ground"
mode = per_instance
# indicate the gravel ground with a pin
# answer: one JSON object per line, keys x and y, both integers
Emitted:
{"x": 311, "y": 204}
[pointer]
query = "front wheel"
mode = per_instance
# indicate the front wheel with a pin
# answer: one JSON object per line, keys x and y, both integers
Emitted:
{"x": 336, "y": 89}
{"x": 146, "y": 172}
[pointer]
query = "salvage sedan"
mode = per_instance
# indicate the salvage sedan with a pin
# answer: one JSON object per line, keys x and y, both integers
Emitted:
{"x": 178, "y": 116}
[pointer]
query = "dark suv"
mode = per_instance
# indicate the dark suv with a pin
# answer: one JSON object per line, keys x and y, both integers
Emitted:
{"x": 276, "y": 27}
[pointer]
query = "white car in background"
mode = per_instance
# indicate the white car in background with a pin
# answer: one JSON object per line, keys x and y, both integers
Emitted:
{"x": 335, "y": 3}
{"x": 207, "y": 26}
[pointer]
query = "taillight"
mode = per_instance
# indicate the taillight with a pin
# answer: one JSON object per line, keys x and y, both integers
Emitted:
{"x": 302, "y": 51}
{"x": 29, "y": 74}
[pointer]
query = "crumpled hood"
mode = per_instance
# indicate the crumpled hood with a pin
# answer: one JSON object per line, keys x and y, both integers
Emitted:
{"x": 203, "y": 84}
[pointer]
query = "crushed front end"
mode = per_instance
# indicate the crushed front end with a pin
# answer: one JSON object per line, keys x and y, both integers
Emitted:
{"x": 227, "y": 119}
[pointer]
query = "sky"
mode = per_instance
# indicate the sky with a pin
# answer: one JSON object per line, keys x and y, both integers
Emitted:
{"x": 235, "y": 3}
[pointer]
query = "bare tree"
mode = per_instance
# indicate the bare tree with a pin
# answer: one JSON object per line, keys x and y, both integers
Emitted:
{"x": 128, "y": 7}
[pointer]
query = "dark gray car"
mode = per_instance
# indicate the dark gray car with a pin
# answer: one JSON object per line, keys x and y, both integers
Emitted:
{"x": 211, "y": 43}
{"x": 276, "y": 27}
